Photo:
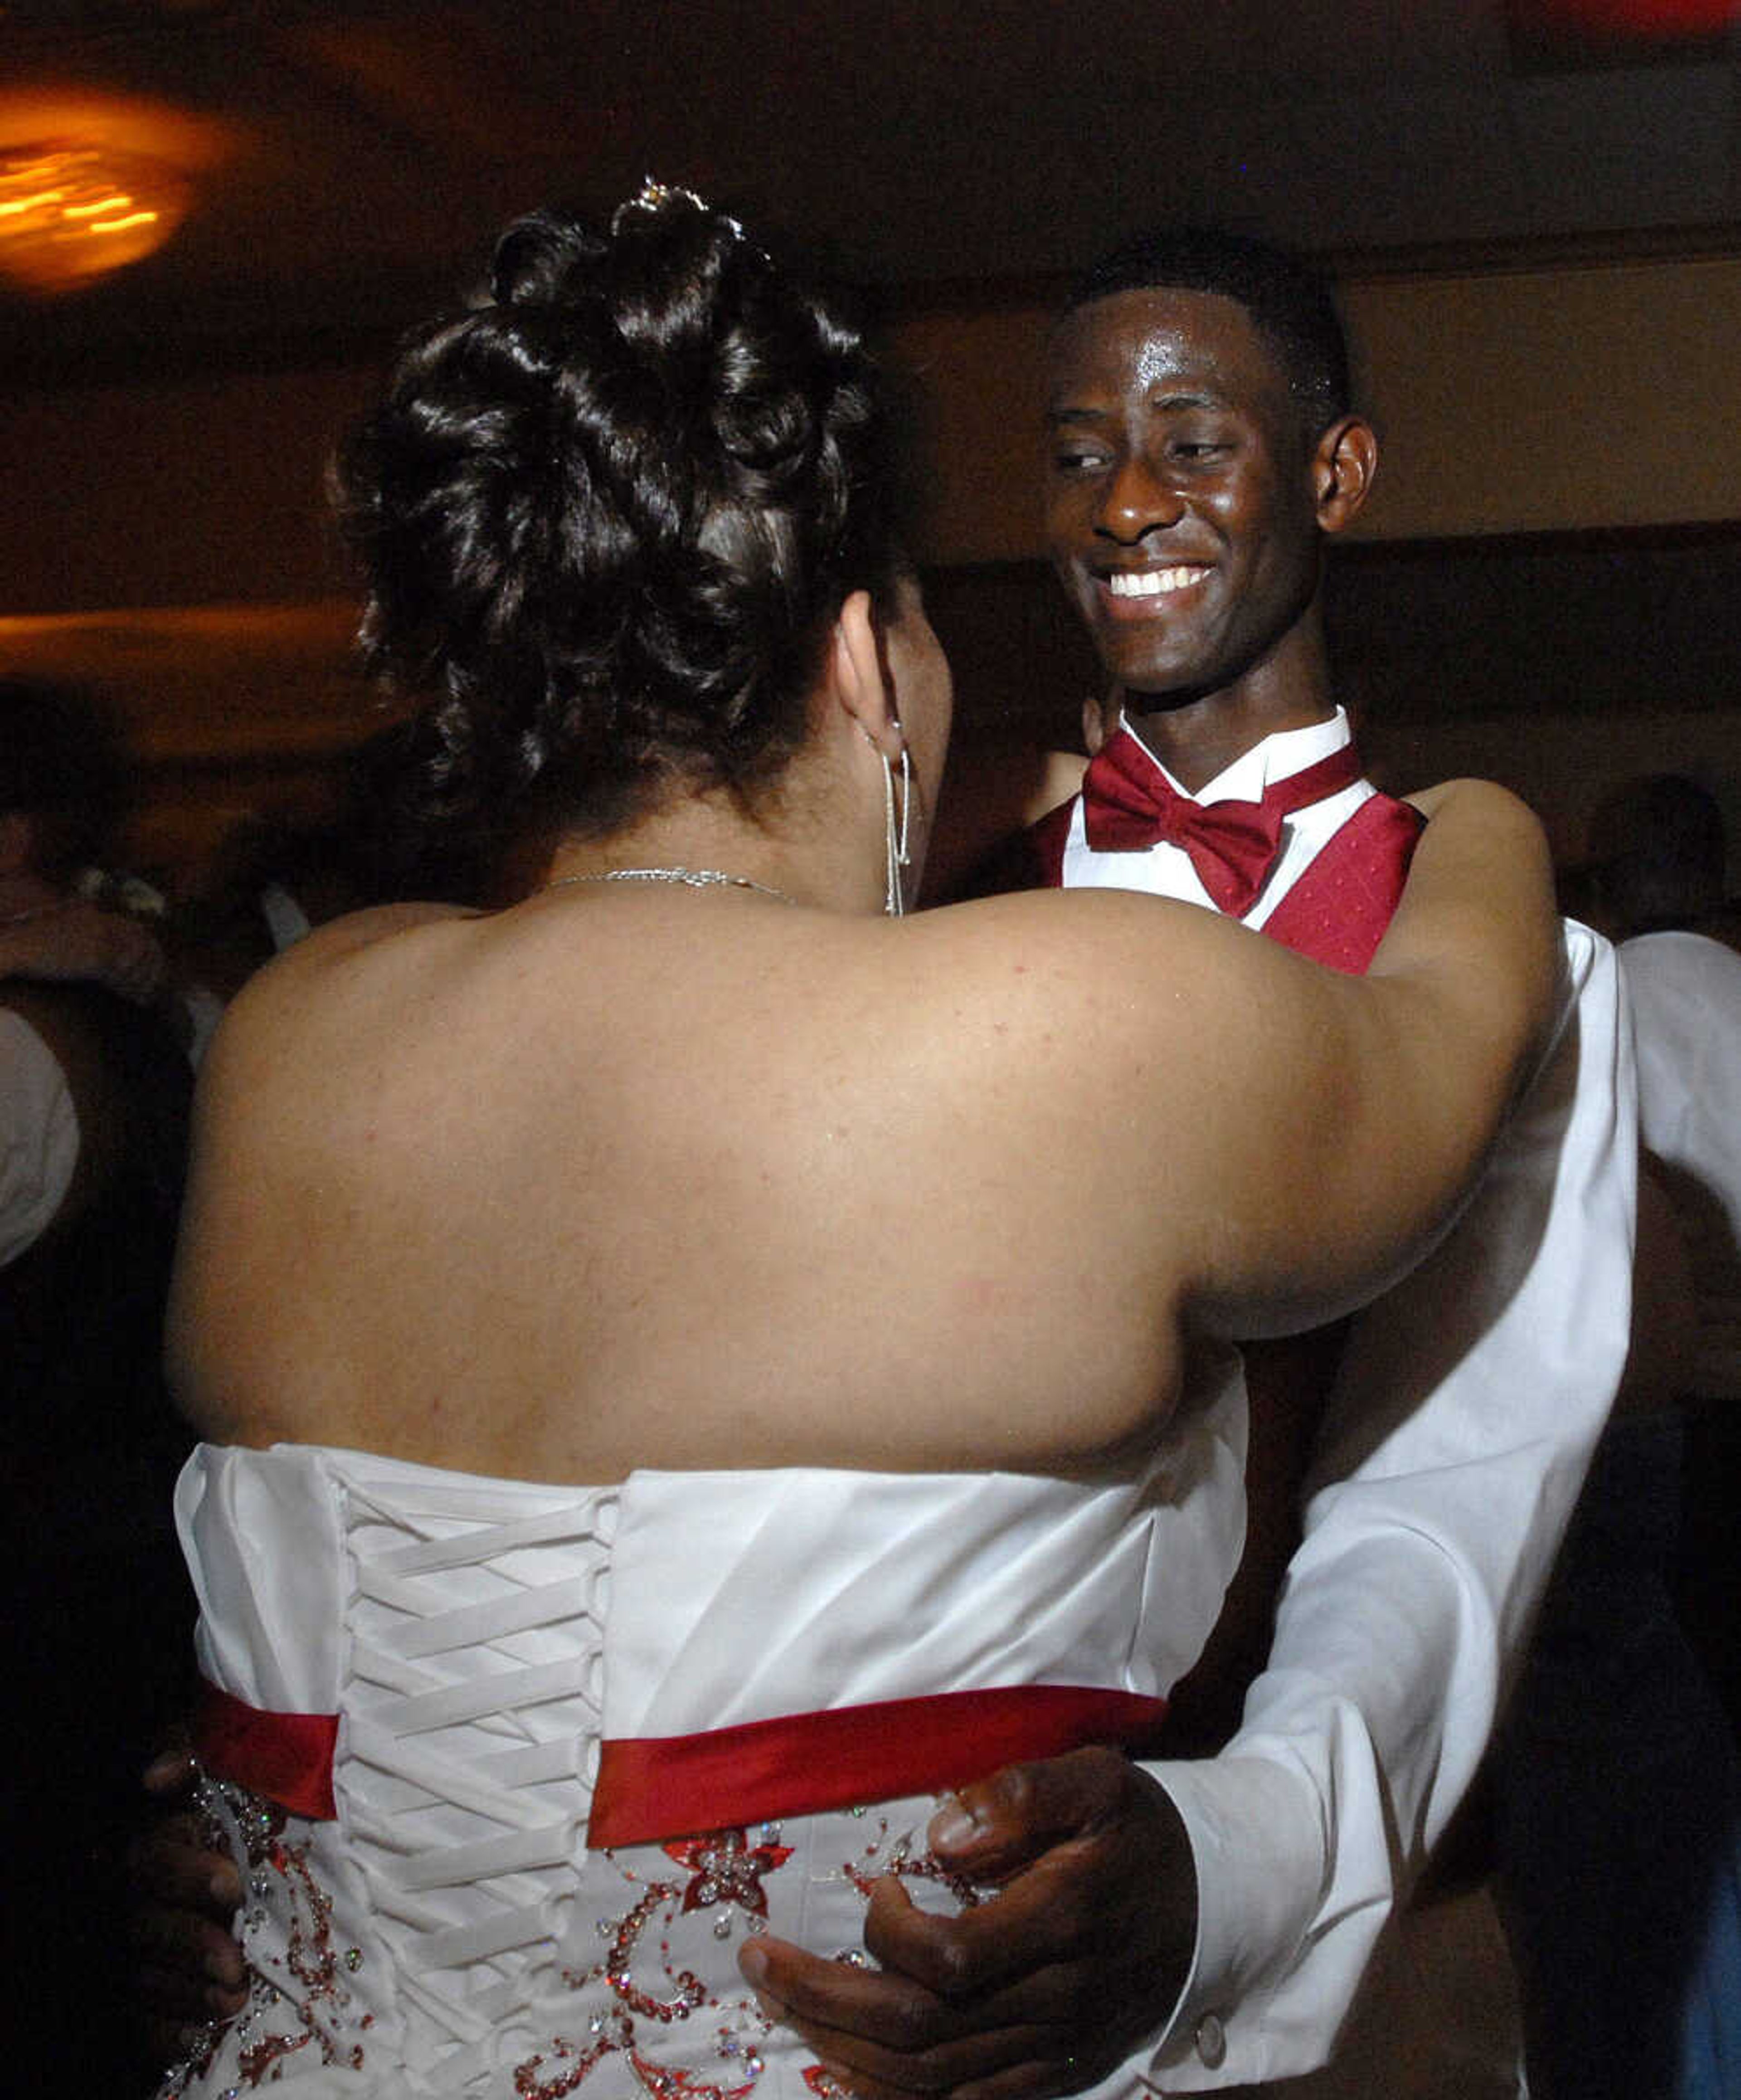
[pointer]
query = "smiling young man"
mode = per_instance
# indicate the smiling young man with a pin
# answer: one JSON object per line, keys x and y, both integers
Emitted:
{"x": 1202, "y": 448}
{"x": 1188, "y": 485}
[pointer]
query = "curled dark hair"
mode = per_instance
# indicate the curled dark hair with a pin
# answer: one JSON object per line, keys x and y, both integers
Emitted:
{"x": 607, "y": 514}
{"x": 1289, "y": 304}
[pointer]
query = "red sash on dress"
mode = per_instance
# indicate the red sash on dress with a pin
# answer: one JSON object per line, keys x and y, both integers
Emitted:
{"x": 655, "y": 1787}
{"x": 287, "y": 1758}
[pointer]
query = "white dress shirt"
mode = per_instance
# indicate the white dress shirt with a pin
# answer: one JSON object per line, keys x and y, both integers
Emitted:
{"x": 1464, "y": 1413}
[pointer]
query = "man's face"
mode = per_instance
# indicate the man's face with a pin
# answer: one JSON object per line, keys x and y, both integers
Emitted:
{"x": 1179, "y": 506}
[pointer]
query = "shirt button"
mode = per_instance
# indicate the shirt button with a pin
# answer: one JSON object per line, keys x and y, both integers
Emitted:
{"x": 1211, "y": 2040}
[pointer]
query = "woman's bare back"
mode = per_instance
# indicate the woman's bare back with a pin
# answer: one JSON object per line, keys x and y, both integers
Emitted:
{"x": 650, "y": 1176}
{"x": 656, "y": 1179}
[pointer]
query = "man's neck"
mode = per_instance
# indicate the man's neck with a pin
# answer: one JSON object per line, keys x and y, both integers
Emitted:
{"x": 1199, "y": 738}
{"x": 1197, "y": 745}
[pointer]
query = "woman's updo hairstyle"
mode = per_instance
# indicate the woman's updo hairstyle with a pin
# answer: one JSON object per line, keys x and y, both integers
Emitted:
{"x": 608, "y": 515}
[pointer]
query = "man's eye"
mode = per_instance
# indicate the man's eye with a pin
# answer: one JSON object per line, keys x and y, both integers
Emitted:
{"x": 1200, "y": 448}
{"x": 1078, "y": 459}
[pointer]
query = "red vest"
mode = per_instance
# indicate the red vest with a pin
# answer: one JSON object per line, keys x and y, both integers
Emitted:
{"x": 1336, "y": 913}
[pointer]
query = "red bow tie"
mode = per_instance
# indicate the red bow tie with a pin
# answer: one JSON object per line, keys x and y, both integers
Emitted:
{"x": 1128, "y": 804}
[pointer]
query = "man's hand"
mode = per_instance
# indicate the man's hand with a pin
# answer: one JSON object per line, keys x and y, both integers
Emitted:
{"x": 1042, "y": 1989}
{"x": 184, "y": 1896}
{"x": 82, "y": 942}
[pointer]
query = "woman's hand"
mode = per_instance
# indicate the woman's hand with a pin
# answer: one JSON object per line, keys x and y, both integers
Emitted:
{"x": 1043, "y": 1988}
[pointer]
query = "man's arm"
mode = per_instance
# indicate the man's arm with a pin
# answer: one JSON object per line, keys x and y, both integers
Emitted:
{"x": 1462, "y": 1424}
{"x": 1464, "y": 1415}
{"x": 78, "y": 941}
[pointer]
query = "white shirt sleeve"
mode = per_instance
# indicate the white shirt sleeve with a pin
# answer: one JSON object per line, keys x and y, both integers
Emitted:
{"x": 1467, "y": 1404}
{"x": 38, "y": 1137}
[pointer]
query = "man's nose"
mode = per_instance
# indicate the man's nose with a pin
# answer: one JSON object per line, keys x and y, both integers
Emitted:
{"x": 1137, "y": 500}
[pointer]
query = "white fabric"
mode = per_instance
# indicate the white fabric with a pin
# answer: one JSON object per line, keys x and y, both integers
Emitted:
{"x": 1466, "y": 1406}
{"x": 1686, "y": 995}
{"x": 38, "y": 1137}
{"x": 476, "y": 1637}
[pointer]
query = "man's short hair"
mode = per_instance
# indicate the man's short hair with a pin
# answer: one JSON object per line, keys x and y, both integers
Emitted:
{"x": 1288, "y": 302}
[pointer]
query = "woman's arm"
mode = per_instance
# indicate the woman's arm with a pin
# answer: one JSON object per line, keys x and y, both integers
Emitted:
{"x": 80, "y": 941}
{"x": 1391, "y": 1112}
{"x": 1251, "y": 1140}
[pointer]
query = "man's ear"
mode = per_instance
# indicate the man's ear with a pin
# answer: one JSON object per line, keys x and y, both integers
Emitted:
{"x": 856, "y": 672}
{"x": 1343, "y": 462}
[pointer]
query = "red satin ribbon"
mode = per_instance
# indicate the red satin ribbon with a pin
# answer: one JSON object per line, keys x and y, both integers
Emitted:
{"x": 1128, "y": 804}
{"x": 655, "y": 1787}
{"x": 650, "y": 1788}
{"x": 288, "y": 1757}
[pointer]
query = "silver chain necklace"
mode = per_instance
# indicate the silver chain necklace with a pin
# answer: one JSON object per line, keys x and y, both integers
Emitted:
{"x": 691, "y": 878}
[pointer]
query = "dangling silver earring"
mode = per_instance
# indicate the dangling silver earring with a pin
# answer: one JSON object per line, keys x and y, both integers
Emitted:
{"x": 899, "y": 854}
{"x": 893, "y": 902}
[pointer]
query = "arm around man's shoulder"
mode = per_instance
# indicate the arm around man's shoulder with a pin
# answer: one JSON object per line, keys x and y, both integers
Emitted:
{"x": 1176, "y": 1054}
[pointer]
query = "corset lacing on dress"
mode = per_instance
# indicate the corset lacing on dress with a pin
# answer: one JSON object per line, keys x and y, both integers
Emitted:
{"x": 480, "y": 1717}
{"x": 463, "y": 1777}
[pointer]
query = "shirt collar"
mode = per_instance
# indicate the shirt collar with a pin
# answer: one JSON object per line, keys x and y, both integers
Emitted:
{"x": 1277, "y": 758}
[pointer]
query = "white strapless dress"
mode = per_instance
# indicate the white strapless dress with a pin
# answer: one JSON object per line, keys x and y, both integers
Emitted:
{"x": 447, "y": 1929}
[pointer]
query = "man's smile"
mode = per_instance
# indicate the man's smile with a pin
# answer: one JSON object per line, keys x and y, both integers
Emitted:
{"x": 1129, "y": 592}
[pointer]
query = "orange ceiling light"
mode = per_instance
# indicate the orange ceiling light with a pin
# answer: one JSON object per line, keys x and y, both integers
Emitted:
{"x": 70, "y": 211}
{"x": 88, "y": 185}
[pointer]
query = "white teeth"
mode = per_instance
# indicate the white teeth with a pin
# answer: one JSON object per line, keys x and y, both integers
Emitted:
{"x": 1151, "y": 583}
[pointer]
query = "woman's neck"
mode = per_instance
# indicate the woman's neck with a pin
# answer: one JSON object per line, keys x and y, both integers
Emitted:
{"x": 808, "y": 861}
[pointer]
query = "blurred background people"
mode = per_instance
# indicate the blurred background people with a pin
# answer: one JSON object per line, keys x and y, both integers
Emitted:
{"x": 1663, "y": 889}
{"x": 93, "y": 1098}
{"x": 273, "y": 879}
{"x": 1620, "y": 1793}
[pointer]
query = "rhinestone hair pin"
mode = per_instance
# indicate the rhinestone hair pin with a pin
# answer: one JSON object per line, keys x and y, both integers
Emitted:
{"x": 654, "y": 196}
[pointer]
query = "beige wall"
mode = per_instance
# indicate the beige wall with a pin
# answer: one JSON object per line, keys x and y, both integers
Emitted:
{"x": 1538, "y": 400}
{"x": 1555, "y": 400}
{"x": 171, "y": 493}
{"x": 1524, "y": 401}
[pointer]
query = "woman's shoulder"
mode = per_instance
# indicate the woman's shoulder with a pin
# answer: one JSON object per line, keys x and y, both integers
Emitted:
{"x": 1069, "y": 946}
{"x": 373, "y": 932}
{"x": 326, "y": 1001}
{"x": 360, "y": 945}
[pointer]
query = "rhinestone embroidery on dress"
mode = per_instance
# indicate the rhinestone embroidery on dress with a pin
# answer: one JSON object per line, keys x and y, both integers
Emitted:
{"x": 302, "y": 1981}
{"x": 452, "y": 1933}
{"x": 645, "y": 1986}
